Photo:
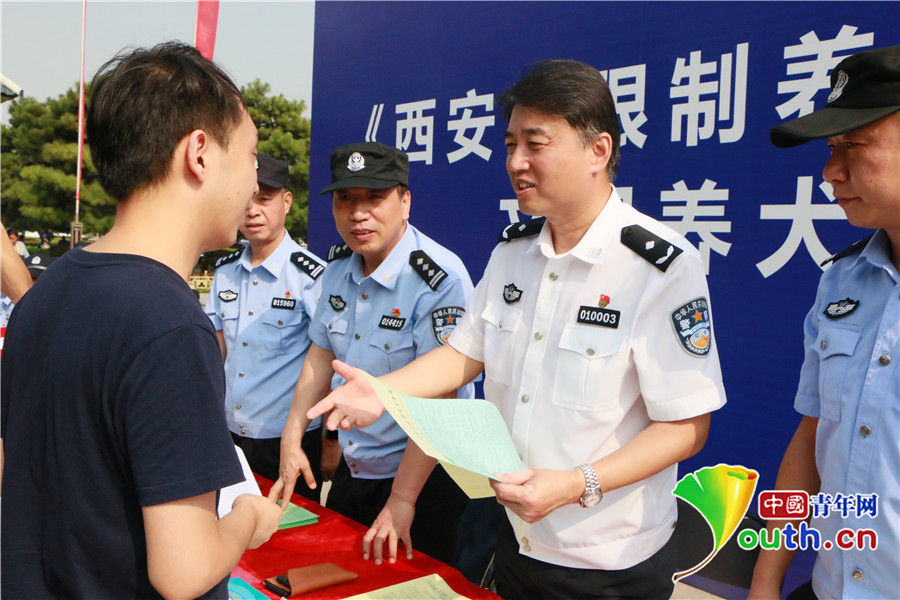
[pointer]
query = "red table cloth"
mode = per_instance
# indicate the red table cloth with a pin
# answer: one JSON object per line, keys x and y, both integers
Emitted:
{"x": 338, "y": 540}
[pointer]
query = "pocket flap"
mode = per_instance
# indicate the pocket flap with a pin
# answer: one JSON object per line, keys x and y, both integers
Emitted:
{"x": 837, "y": 340}
{"x": 591, "y": 342}
{"x": 504, "y": 318}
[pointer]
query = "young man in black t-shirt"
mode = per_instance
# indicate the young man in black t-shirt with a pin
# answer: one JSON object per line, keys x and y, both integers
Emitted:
{"x": 112, "y": 383}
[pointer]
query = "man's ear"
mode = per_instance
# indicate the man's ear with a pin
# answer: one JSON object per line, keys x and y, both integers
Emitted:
{"x": 288, "y": 200}
{"x": 601, "y": 148}
{"x": 196, "y": 154}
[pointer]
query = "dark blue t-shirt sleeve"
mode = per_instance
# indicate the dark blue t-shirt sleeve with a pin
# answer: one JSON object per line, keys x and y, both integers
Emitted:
{"x": 176, "y": 437}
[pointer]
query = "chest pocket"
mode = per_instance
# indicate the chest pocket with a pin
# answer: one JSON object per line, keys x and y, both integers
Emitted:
{"x": 835, "y": 346}
{"x": 337, "y": 336}
{"x": 501, "y": 323}
{"x": 588, "y": 368}
{"x": 393, "y": 349}
{"x": 281, "y": 329}
{"x": 228, "y": 312}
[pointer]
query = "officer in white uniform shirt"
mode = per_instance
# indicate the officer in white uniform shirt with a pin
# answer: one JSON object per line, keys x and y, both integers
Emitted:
{"x": 261, "y": 302}
{"x": 389, "y": 294}
{"x": 595, "y": 332}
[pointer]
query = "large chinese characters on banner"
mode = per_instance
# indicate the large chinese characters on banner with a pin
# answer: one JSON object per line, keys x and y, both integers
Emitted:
{"x": 697, "y": 87}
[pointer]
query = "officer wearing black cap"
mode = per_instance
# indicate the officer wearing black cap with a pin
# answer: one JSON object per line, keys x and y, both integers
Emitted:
{"x": 846, "y": 445}
{"x": 389, "y": 294}
{"x": 261, "y": 303}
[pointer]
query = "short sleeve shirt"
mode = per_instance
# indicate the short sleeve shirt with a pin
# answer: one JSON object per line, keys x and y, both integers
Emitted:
{"x": 111, "y": 402}
{"x": 382, "y": 322}
{"x": 582, "y": 351}
{"x": 264, "y": 314}
{"x": 850, "y": 381}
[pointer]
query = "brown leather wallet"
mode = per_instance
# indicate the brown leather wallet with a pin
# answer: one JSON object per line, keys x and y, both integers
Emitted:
{"x": 307, "y": 579}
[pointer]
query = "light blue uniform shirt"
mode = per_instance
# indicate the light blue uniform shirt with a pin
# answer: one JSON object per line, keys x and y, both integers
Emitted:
{"x": 849, "y": 380}
{"x": 382, "y": 322}
{"x": 264, "y": 313}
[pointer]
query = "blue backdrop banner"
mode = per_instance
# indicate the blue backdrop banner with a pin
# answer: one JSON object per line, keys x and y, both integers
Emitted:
{"x": 697, "y": 87}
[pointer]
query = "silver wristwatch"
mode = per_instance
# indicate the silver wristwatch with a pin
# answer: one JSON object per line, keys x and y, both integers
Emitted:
{"x": 592, "y": 494}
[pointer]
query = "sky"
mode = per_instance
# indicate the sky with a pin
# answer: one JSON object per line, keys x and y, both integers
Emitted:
{"x": 41, "y": 41}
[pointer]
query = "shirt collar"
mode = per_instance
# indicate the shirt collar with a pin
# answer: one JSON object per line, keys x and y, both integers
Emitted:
{"x": 590, "y": 248}
{"x": 878, "y": 253}
{"x": 275, "y": 261}
{"x": 387, "y": 272}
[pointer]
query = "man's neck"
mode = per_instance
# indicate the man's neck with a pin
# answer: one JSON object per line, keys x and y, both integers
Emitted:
{"x": 261, "y": 251}
{"x": 155, "y": 228}
{"x": 567, "y": 230}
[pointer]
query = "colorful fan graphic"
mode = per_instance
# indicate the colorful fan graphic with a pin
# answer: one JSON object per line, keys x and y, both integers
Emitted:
{"x": 722, "y": 495}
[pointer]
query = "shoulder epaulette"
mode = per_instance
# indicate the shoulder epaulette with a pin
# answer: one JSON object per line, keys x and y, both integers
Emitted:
{"x": 848, "y": 251}
{"x": 521, "y": 229}
{"x": 338, "y": 251}
{"x": 308, "y": 263}
{"x": 426, "y": 268}
{"x": 228, "y": 258}
{"x": 649, "y": 246}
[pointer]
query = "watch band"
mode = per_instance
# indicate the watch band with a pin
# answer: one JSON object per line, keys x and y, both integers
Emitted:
{"x": 592, "y": 494}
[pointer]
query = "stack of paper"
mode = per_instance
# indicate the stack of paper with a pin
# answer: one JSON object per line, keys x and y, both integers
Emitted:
{"x": 295, "y": 516}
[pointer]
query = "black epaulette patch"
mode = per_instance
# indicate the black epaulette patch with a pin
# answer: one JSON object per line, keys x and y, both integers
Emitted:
{"x": 427, "y": 269}
{"x": 521, "y": 229}
{"x": 339, "y": 251}
{"x": 229, "y": 258}
{"x": 848, "y": 251}
{"x": 649, "y": 246}
{"x": 308, "y": 263}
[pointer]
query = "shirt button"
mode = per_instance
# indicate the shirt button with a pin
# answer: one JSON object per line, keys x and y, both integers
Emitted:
{"x": 356, "y": 472}
{"x": 823, "y": 344}
{"x": 857, "y": 574}
{"x": 538, "y": 336}
{"x": 238, "y": 407}
{"x": 356, "y": 336}
{"x": 241, "y": 374}
{"x": 525, "y": 540}
{"x": 329, "y": 326}
{"x": 885, "y": 359}
{"x": 223, "y": 314}
{"x": 243, "y": 432}
{"x": 527, "y": 548}
{"x": 525, "y": 398}
{"x": 350, "y": 443}
{"x": 244, "y": 344}
{"x": 250, "y": 313}
{"x": 387, "y": 346}
{"x": 865, "y": 431}
{"x": 281, "y": 322}
{"x": 590, "y": 351}
{"x": 353, "y": 465}
{"x": 553, "y": 276}
{"x": 499, "y": 323}
{"x": 255, "y": 282}
{"x": 365, "y": 296}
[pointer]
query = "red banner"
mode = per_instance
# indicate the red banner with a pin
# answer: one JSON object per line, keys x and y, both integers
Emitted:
{"x": 205, "y": 34}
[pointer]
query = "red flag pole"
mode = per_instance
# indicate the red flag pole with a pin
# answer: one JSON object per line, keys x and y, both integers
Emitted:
{"x": 205, "y": 31}
{"x": 76, "y": 228}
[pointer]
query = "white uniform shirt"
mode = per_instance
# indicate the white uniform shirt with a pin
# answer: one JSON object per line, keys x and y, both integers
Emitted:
{"x": 572, "y": 392}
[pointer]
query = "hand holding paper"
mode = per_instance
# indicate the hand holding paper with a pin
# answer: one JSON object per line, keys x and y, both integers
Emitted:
{"x": 353, "y": 404}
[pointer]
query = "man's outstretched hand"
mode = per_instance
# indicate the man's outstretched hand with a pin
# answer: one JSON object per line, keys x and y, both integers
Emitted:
{"x": 353, "y": 404}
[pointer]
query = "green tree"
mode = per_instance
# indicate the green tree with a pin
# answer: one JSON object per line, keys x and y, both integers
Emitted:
{"x": 38, "y": 168}
{"x": 40, "y": 154}
{"x": 284, "y": 134}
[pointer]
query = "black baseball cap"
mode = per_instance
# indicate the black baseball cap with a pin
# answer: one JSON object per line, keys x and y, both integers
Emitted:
{"x": 369, "y": 165}
{"x": 271, "y": 171}
{"x": 865, "y": 87}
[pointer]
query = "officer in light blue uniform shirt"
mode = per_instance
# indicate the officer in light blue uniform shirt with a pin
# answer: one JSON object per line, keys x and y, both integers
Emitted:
{"x": 846, "y": 450}
{"x": 389, "y": 294}
{"x": 261, "y": 303}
